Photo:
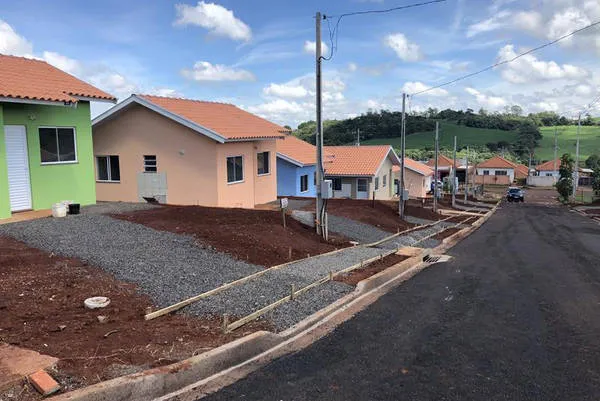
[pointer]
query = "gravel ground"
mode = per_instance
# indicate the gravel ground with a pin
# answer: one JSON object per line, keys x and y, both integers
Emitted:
{"x": 116, "y": 207}
{"x": 357, "y": 231}
{"x": 418, "y": 220}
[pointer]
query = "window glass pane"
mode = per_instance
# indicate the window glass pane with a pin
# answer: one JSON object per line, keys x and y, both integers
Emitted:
{"x": 337, "y": 184}
{"x": 115, "y": 172}
{"x": 262, "y": 161}
{"x": 66, "y": 145}
{"x": 150, "y": 164}
{"x": 48, "y": 146}
{"x": 304, "y": 183}
{"x": 102, "y": 162}
{"x": 239, "y": 169}
{"x": 362, "y": 185}
{"x": 230, "y": 169}
{"x": 376, "y": 183}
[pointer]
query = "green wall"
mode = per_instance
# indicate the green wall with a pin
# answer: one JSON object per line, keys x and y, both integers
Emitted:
{"x": 4, "y": 202}
{"x": 55, "y": 182}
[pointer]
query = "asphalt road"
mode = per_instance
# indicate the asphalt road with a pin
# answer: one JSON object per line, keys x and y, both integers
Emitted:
{"x": 514, "y": 316}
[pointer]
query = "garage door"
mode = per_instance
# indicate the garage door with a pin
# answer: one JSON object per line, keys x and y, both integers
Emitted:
{"x": 17, "y": 161}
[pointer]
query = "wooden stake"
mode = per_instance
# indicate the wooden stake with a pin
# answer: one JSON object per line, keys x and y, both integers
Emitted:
{"x": 283, "y": 216}
{"x": 292, "y": 291}
{"x": 290, "y": 253}
{"x": 225, "y": 322}
{"x": 330, "y": 276}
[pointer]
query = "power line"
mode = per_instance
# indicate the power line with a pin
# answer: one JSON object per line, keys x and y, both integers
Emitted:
{"x": 509, "y": 60}
{"x": 333, "y": 33}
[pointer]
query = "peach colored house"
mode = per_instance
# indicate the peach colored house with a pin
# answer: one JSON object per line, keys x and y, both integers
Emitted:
{"x": 185, "y": 152}
{"x": 417, "y": 177}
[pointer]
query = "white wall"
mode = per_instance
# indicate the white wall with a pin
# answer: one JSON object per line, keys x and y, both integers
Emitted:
{"x": 387, "y": 191}
{"x": 548, "y": 173}
{"x": 541, "y": 181}
{"x": 510, "y": 172}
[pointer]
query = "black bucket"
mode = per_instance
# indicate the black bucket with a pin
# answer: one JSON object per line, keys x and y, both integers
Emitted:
{"x": 74, "y": 208}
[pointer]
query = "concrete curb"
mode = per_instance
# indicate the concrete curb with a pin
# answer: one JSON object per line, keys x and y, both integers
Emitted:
{"x": 198, "y": 376}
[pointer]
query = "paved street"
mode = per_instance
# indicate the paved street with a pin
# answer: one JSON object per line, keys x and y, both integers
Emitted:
{"x": 514, "y": 316}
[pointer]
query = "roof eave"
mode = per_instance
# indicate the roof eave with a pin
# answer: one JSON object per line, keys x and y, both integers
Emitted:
{"x": 35, "y": 101}
{"x": 95, "y": 99}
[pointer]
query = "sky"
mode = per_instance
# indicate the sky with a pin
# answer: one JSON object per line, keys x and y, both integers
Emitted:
{"x": 260, "y": 54}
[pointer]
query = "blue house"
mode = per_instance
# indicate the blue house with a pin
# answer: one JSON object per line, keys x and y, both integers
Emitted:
{"x": 296, "y": 167}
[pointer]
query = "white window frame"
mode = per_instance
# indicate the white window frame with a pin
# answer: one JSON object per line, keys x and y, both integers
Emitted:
{"x": 56, "y": 127}
{"x": 376, "y": 183}
{"x": 155, "y": 165}
{"x": 108, "y": 169}
{"x": 384, "y": 180}
{"x": 486, "y": 172}
{"x": 268, "y": 163}
{"x": 243, "y": 172}
{"x": 503, "y": 172}
{"x": 306, "y": 190}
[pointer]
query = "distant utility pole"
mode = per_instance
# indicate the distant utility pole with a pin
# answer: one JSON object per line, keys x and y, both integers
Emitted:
{"x": 555, "y": 146}
{"x": 576, "y": 169}
{"x": 435, "y": 169}
{"x": 402, "y": 155}
{"x": 358, "y": 137}
{"x": 319, "y": 138}
{"x": 466, "y": 174}
{"x": 454, "y": 176}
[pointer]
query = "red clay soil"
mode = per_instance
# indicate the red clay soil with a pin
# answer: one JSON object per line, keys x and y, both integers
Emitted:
{"x": 446, "y": 233}
{"x": 355, "y": 276}
{"x": 256, "y": 236}
{"x": 41, "y": 308}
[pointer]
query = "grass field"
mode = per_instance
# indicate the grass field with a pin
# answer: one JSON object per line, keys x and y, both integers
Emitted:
{"x": 567, "y": 137}
{"x": 465, "y": 136}
{"x": 589, "y": 142}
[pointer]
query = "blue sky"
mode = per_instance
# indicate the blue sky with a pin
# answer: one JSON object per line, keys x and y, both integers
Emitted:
{"x": 256, "y": 54}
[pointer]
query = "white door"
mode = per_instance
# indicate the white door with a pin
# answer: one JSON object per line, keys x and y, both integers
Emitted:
{"x": 362, "y": 188}
{"x": 17, "y": 160}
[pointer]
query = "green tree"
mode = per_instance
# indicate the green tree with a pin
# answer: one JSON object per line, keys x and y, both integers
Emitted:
{"x": 596, "y": 180}
{"x": 564, "y": 186}
{"x": 593, "y": 162}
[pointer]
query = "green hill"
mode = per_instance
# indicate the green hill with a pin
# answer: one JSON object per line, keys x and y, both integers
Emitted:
{"x": 465, "y": 136}
{"x": 589, "y": 142}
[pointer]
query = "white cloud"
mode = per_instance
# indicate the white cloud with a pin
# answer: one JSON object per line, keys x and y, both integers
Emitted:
{"x": 64, "y": 63}
{"x": 286, "y": 90}
{"x": 310, "y": 47}
{"x": 12, "y": 43}
{"x": 204, "y": 71}
{"x": 404, "y": 49}
{"x": 218, "y": 20}
{"x": 497, "y": 21}
{"x": 529, "y": 69}
{"x": 487, "y": 101}
{"x": 352, "y": 67}
{"x": 165, "y": 92}
{"x": 414, "y": 87}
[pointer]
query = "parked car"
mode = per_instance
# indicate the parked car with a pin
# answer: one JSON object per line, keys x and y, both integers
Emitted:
{"x": 515, "y": 194}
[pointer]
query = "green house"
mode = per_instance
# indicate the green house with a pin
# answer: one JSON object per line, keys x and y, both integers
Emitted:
{"x": 46, "y": 153}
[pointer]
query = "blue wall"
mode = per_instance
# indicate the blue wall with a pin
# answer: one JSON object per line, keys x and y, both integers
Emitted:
{"x": 288, "y": 179}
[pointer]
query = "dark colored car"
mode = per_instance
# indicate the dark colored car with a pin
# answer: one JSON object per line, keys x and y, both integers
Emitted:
{"x": 515, "y": 195}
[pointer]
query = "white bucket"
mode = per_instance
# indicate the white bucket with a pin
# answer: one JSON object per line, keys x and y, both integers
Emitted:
{"x": 59, "y": 210}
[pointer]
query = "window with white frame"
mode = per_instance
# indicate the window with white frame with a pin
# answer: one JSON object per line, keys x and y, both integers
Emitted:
{"x": 150, "y": 164}
{"x": 361, "y": 185}
{"x": 549, "y": 174}
{"x": 262, "y": 162}
{"x": 315, "y": 178}
{"x": 336, "y": 184}
{"x": 304, "y": 183}
{"x": 57, "y": 145}
{"x": 486, "y": 172}
{"x": 108, "y": 168}
{"x": 384, "y": 180}
{"x": 501, "y": 172}
{"x": 376, "y": 183}
{"x": 235, "y": 169}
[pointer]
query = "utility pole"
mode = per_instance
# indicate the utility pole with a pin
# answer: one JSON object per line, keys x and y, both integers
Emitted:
{"x": 319, "y": 138}
{"x": 466, "y": 174}
{"x": 454, "y": 176}
{"x": 555, "y": 146}
{"x": 576, "y": 172}
{"x": 435, "y": 169}
{"x": 402, "y": 156}
{"x": 358, "y": 137}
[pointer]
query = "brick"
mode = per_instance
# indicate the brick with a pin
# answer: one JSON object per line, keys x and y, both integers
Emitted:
{"x": 43, "y": 382}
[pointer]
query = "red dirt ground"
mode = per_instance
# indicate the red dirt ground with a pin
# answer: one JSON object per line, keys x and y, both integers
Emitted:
{"x": 256, "y": 236}
{"x": 41, "y": 293}
{"x": 354, "y": 277}
{"x": 446, "y": 233}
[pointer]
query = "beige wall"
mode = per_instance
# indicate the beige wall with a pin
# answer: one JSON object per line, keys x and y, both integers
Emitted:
{"x": 387, "y": 191}
{"x": 195, "y": 166}
{"x": 418, "y": 185}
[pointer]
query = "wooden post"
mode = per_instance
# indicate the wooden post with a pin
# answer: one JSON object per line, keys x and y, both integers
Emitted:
{"x": 330, "y": 276}
{"x": 225, "y": 322}
{"x": 283, "y": 216}
{"x": 292, "y": 291}
{"x": 290, "y": 253}
{"x": 373, "y": 203}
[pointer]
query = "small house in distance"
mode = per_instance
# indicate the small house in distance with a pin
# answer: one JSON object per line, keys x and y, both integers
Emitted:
{"x": 185, "y": 152}
{"x": 499, "y": 171}
{"x": 296, "y": 167}
{"x": 361, "y": 172}
{"x": 46, "y": 153}
{"x": 417, "y": 177}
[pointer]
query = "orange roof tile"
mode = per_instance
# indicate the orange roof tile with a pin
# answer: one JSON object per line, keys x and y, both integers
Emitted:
{"x": 356, "y": 160}
{"x": 496, "y": 162}
{"x": 30, "y": 79}
{"x": 225, "y": 119}
{"x": 443, "y": 161}
{"x": 297, "y": 150}
{"x": 549, "y": 166}
{"x": 521, "y": 171}
{"x": 416, "y": 166}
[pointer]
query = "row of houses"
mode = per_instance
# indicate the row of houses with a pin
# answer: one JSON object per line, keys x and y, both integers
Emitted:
{"x": 151, "y": 148}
